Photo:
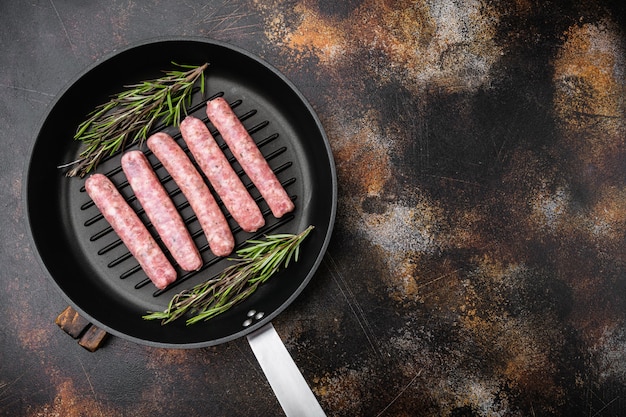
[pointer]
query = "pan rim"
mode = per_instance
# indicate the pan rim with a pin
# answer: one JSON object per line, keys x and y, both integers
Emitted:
{"x": 327, "y": 230}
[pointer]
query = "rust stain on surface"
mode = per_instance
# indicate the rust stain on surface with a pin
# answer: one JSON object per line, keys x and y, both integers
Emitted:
{"x": 344, "y": 391}
{"x": 362, "y": 155}
{"x": 417, "y": 42}
{"x": 590, "y": 86}
{"x": 69, "y": 402}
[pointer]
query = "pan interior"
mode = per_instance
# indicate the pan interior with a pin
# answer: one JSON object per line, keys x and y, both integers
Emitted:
{"x": 87, "y": 262}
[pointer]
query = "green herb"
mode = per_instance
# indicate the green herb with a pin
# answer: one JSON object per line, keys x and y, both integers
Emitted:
{"x": 131, "y": 114}
{"x": 255, "y": 265}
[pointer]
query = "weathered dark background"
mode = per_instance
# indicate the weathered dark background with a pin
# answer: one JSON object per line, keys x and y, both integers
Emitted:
{"x": 478, "y": 267}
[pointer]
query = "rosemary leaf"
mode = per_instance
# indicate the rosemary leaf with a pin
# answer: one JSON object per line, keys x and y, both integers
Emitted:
{"x": 255, "y": 264}
{"x": 128, "y": 116}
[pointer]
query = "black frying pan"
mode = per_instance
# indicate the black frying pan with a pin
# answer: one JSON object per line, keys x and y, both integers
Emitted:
{"x": 87, "y": 262}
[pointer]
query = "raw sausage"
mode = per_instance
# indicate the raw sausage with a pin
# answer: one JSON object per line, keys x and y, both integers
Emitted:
{"x": 131, "y": 230}
{"x": 224, "y": 179}
{"x": 210, "y": 217}
{"x": 249, "y": 156}
{"x": 161, "y": 210}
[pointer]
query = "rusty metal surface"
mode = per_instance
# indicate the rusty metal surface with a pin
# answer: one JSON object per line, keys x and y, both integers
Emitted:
{"x": 478, "y": 267}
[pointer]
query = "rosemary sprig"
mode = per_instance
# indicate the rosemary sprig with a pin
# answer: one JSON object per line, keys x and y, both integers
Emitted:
{"x": 255, "y": 265}
{"x": 131, "y": 114}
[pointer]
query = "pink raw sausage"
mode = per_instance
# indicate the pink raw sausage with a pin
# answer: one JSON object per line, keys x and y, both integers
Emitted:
{"x": 224, "y": 179}
{"x": 249, "y": 156}
{"x": 161, "y": 210}
{"x": 210, "y": 217}
{"x": 131, "y": 230}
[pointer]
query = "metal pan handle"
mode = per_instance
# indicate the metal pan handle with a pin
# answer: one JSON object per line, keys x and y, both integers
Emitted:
{"x": 292, "y": 391}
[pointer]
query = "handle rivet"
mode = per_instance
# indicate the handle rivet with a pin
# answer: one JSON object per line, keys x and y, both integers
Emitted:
{"x": 252, "y": 316}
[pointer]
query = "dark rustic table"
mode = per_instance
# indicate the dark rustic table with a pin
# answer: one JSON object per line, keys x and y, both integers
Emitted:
{"x": 478, "y": 263}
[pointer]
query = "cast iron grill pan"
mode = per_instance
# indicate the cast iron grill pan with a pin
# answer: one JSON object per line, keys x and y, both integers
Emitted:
{"x": 86, "y": 259}
{"x": 113, "y": 248}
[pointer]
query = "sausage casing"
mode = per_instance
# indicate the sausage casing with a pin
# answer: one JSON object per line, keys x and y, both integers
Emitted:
{"x": 160, "y": 210}
{"x": 214, "y": 224}
{"x": 131, "y": 230}
{"x": 221, "y": 175}
{"x": 249, "y": 156}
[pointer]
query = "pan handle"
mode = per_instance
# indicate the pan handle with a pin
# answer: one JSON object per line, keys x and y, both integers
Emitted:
{"x": 292, "y": 391}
